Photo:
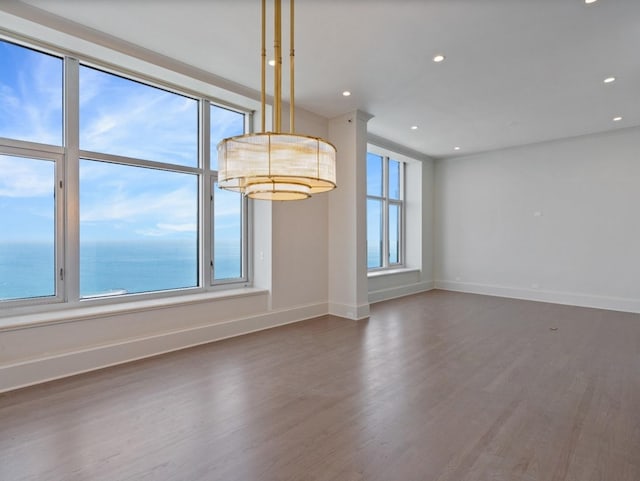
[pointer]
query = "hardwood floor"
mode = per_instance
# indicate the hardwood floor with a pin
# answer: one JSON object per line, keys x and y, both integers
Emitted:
{"x": 439, "y": 386}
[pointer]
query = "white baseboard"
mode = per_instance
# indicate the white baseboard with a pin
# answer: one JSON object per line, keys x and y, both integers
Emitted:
{"x": 347, "y": 311}
{"x": 399, "y": 291}
{"x": 51, "y": 367}
{"x": 555, "y": 297}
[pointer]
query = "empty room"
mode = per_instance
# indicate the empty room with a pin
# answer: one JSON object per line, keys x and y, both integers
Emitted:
{"x": 296, "y": 240}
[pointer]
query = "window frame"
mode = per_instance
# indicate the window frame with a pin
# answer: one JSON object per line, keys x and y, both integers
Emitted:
{"x": 52, "y": 154}
{"x": 67, "y": 184}
{"x": 386, "y": 201}
{"x": 244, "y": 247}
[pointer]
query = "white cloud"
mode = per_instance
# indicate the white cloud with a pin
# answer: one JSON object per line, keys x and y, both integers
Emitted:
{"x": 26, "y": 177}
{"x": 8, "y": 100}
{"x": 128, "y": 119}
{"x": 178, "y": 227}
{"x": 166, "y": 229}
{"x": 178, "y": 205}
{"x": 31, "y": 101}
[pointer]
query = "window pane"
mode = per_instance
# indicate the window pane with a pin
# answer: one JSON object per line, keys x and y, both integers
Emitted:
{"x": 394, "y": 179}
{"x": 374, "y": 175}
{"x": 394, "y": 234}
{"x": 224, "y": 123}
{"x": 30, "y": 95}
{"x": 374, "y": 233}
{"x": 123, "y": 117}
{"x": 138, "y": 229}
{"x": 27, "y": 228}
{"x": 227, "y": 233}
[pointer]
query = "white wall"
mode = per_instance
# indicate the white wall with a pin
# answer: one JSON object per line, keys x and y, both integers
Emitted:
{"x": 555, "y": 221}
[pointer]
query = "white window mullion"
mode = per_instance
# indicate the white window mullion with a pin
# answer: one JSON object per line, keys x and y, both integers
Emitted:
{"x": 206, "y": 198}
{"x": 247, "y": 220}
{"x": 247, "y": 240}
{"x": 212, "y": 178}
{"x": 71, "y": 232}
{"x": 385, "y": 212}
{"x": 401, "y": 258}
{"x": 60, "y": 254}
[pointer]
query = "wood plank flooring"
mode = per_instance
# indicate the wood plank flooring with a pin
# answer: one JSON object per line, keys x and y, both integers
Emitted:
{"x": 438, "y": 386}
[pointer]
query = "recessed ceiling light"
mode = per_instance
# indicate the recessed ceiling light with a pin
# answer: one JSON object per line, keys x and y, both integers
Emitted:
{"x": 456, "y": 148}
{"x": 272, "y": 62}
{"x": 617, "y": 119}
{"x": 346, "y": 93}
{"x": 590, "y": 1}
{"x": 414, "y": 127}
{"x": 438, "y": 58}
{"x": 608, "y": 80}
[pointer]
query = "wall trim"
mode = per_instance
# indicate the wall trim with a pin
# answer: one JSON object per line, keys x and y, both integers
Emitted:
{"x": 50, "y": 367}
{"x": 554, "y": 297}
{"x": 400, "y": 291}
{"x": 400, "y": 149}
{"x": 355, "y": 313}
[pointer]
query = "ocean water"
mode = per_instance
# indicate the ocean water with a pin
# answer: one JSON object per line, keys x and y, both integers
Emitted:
{"x": 26, "y": 270}
{"x": 373, "y": 259}
{"x": 109, "y": 268}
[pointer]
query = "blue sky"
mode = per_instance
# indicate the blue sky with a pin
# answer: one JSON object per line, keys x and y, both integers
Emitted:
{"x": 30, "y": 95}
{"x": 119, "y": 117}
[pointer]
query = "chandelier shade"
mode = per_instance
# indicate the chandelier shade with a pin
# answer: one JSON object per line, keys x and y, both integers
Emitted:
{"x": 277, "y": 165}
{"x": 261, "y": 165}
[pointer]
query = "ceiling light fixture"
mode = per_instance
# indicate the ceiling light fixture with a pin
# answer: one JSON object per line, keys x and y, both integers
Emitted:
{"x": 617, "y": 119}
{"x": 608, "y": 80}
{"x": 346, "y": 93}
{"x": 414, "y": 127}
{"x": 276, "y": 165}
{"x": 590, "y": 1}
{"x": 438, "y": 58}
{"x": 456, "y": 148}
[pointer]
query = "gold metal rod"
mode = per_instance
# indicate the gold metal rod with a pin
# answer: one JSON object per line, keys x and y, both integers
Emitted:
{"x": 292, "y": 114}
{"x": 263, "y": 85}
{"x": 277, "y": 44}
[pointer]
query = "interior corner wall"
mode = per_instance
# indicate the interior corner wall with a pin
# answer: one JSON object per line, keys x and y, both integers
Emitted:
{"x": 555, "y": 221}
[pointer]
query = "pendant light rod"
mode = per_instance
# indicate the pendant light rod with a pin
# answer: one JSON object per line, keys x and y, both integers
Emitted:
{"x": 291, "y": 71}
{"x": 263, "y": 70}
{"x": 277, "y": 46}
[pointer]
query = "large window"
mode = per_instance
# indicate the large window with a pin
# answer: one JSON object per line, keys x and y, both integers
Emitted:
{"x": 385, "y": 211}
{"x": 108, "y": 185}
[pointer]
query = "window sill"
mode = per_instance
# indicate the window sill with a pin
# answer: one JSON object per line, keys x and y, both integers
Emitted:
{"x": 391, "y": 272}
{"x": 59, "y": 315}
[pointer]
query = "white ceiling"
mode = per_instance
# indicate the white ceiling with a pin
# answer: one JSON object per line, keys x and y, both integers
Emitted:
{"x": 516, "y": 71}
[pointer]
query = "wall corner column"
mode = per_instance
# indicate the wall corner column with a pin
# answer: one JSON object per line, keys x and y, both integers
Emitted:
{"x": 348, "y": 285}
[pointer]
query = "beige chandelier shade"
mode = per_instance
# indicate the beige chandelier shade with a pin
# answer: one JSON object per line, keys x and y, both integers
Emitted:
{"x": 276, "y": 166}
